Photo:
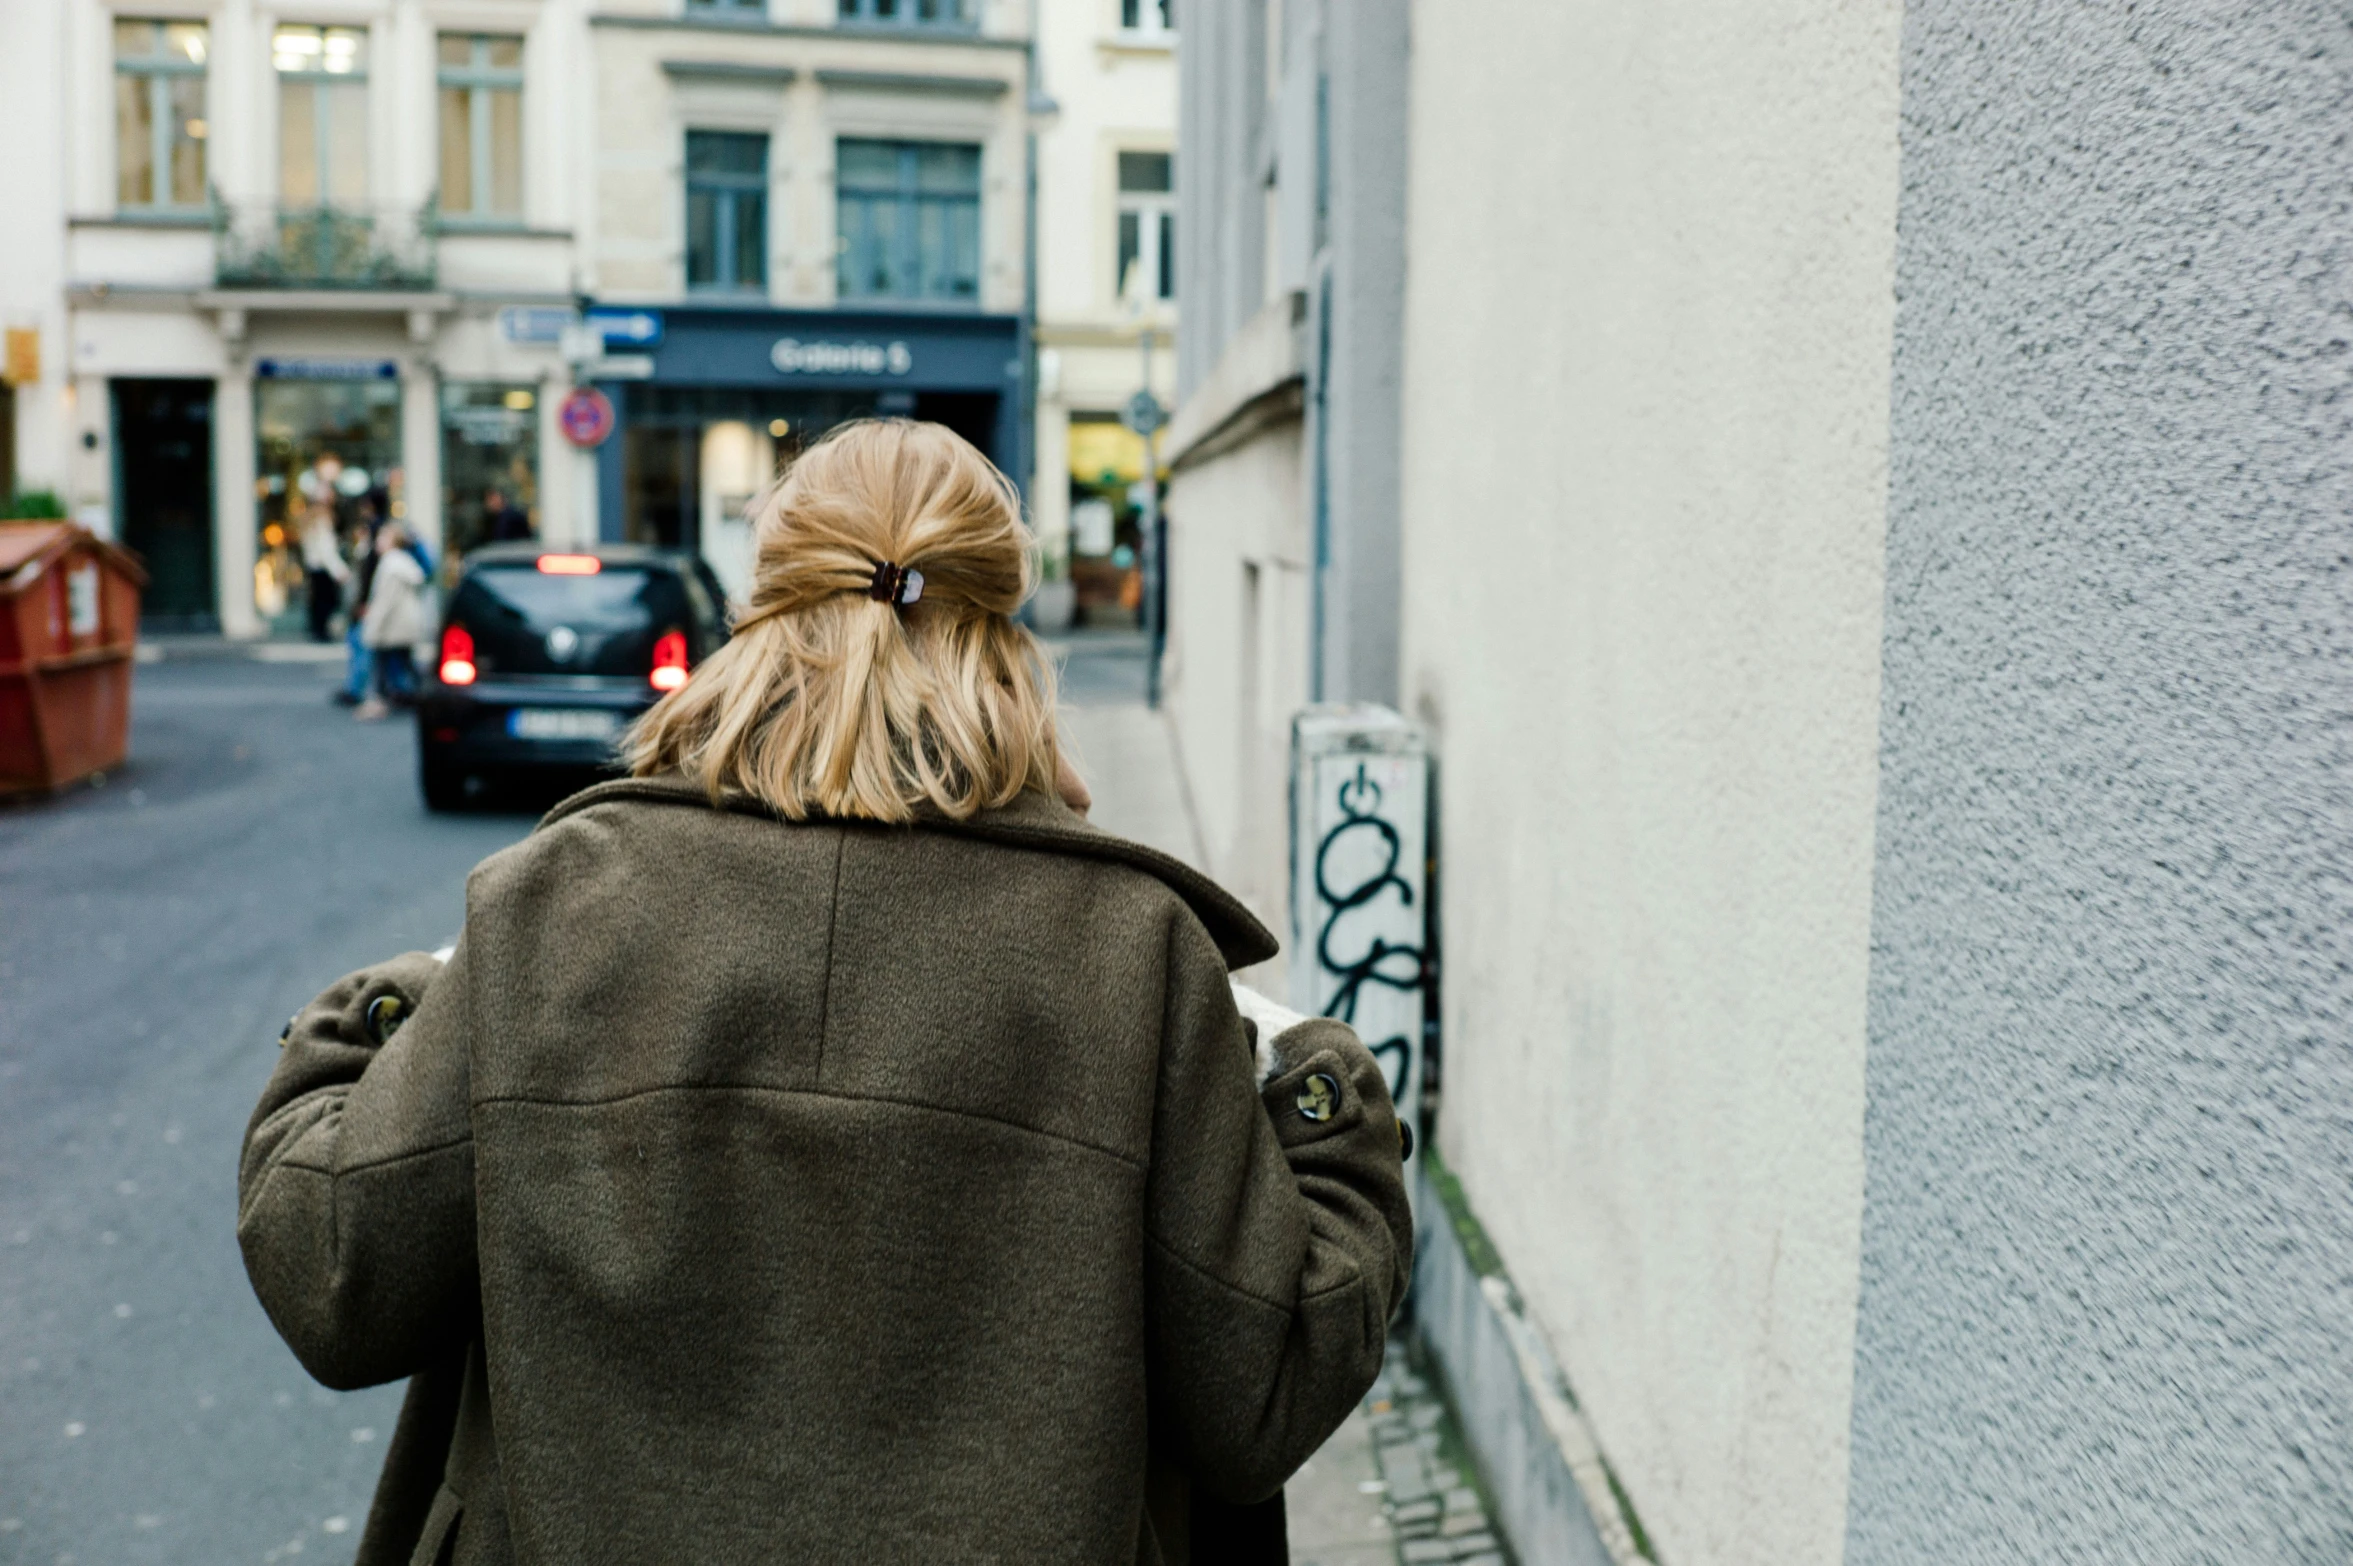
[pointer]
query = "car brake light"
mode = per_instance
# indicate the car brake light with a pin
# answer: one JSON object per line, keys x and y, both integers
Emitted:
{"x": 570, "y": 565}
{"x": 457, "y": 655}
{"x": 669, "y": 661}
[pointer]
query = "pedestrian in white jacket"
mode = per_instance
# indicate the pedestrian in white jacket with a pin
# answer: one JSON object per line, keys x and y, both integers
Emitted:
{"x": 395, "y": 621}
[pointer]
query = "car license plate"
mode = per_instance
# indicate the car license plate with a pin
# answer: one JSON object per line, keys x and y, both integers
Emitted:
{"x": 563, "y": 723}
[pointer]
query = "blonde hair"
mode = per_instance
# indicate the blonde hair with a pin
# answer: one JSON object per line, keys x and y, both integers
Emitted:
{"x": 829, "y": 701}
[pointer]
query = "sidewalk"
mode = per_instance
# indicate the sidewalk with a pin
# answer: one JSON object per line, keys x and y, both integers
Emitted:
{"x": 1386, "y": 1489}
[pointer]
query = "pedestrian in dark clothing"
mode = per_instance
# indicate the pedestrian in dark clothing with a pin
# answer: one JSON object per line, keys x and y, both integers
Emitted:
{"x": 824, "y": 1144}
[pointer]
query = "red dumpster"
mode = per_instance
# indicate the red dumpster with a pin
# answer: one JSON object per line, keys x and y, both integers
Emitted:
{"x": 69, "y": 626}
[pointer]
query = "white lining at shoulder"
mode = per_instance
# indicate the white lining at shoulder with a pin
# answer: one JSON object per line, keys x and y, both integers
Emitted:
{"x": 1272, "y": 1019}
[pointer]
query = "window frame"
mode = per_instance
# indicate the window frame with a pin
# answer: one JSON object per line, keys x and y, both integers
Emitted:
{"x": 323, "y": 145}
{"x": 1153, "y": 19}
{"x": 867, "y": 15}
{"x": 480, "y": 80}
{"x": 727, "y": 191}
{"x": 1154, "y": 212}
{"x": 909, "y": 202}
{"x": 157, "y": 71}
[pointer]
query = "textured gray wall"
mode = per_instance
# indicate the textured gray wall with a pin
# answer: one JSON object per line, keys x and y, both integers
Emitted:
{"x": 2107, "y": 1291}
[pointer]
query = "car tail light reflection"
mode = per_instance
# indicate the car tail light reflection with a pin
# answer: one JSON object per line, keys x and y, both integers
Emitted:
{"x": 570, "y": 565}
{"x": 457, "y": 655}
{"x": 669, "y": 661}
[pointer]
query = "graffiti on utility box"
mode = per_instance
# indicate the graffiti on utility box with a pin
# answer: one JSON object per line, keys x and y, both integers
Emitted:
{"x": 1359, "y": 899}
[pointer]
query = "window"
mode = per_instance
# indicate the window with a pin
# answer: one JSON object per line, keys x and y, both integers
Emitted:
{"x": 159, "y": 128}
{"x": 961, "y": 14}
{"x": 1152, "y": 18}
{"x": 747, "y": 10}
{"x": 481, "y": 126}
{"x": 908, "y": 216}
{"x": 1147, "y": 225}
{"x": 726, "y": 211}
{"x": 322, "y": 114}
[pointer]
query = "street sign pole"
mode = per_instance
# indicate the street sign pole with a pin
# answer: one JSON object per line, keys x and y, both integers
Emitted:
{"x": 1155, "y": 553}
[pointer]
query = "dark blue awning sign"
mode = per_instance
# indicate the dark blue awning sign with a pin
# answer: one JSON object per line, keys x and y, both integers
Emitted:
{"x": 327, "y": 369}
{"x": 643, "y": 328}
{"x": 793, "y": 356}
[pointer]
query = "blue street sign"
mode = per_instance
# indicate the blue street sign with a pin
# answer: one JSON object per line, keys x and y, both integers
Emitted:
{"x": 641, "y": 327}
{"x": 534, "y": 323}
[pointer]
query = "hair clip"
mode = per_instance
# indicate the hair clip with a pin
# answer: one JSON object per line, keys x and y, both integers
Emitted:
{"x": 895, "y": 584}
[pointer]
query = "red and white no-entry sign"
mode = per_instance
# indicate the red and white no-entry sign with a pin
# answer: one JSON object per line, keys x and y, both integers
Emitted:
{"x": 586, "y": 416}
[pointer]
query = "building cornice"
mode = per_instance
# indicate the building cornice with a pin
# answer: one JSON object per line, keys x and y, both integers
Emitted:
{"x": 763, "y": 29}
{"x": 916, "y": 81}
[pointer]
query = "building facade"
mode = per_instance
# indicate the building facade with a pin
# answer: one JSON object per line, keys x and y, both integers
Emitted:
{"x": 1282, "y": 499}
{"x": 1107, "y": 274}
{"x": 805, "y": 211}
{"x": 336, "y": 260}
{"x": 277, "y": 264}
{"x": 1870, "y": 564}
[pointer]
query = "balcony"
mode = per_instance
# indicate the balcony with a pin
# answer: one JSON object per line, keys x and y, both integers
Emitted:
{"x": 377, "y": 249}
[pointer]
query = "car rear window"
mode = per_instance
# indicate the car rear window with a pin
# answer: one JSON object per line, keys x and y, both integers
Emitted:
{"x": 527, "y": 621}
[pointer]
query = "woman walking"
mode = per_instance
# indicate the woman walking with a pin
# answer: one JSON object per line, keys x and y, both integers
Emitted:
{"x": 823, "y": 1145}
{"x": 395, "y": 620}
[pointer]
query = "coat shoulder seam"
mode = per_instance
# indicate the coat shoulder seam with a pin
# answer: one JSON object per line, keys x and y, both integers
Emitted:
{"x": 770, "y": 1089}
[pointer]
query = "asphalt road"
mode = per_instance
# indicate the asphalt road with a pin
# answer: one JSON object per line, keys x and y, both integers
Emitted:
{"x": 154, "y": 936}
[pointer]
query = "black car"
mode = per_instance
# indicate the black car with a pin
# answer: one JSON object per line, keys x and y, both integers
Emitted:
{"x": 546, "y": 655}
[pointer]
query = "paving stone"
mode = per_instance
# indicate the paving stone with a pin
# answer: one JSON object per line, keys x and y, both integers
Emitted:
{"x": 1425, "y": 1416}
{"x": 1459, "y": 1498}
{"x": 1491, "y": 1558}
{"x": 1468, "y": 1545}
{"x": 1414, "y": 1551}
{"x": 1459, "y": 1523}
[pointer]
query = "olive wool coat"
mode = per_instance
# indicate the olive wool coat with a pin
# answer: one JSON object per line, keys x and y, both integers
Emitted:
{"x": 751, "y": 1191}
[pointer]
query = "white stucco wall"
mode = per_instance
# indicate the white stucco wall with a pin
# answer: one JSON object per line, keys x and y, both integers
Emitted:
{"x": 1649, "y": 315}
{"x": 1236, "y": 666}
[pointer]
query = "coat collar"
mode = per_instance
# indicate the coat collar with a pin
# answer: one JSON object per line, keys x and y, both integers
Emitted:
{"x": 1034, "y": 821}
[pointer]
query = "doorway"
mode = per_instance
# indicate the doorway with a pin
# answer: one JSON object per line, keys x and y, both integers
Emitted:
{"x": 328, "y": 458}
{"x": 163, "y": 489}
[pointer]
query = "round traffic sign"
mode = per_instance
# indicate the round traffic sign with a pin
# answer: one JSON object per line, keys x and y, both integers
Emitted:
{"x": 1143, "y": 413}
{"x": 586, "y": 416}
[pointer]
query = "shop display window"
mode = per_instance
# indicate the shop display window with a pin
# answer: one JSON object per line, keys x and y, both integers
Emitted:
{"x": 329, "y": 474}
{"x": 489, "y": 464}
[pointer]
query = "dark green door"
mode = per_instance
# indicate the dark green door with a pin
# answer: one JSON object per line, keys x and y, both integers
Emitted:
{"x": 163, "y": 465}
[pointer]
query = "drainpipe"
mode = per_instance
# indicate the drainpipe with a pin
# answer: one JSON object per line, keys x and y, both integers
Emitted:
{"x": 1038, "y": 109}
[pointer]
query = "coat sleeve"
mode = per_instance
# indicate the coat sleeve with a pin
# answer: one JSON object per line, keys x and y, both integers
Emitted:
{"x": 356, "y": 1189}
{"x": 1278, "y": 1242}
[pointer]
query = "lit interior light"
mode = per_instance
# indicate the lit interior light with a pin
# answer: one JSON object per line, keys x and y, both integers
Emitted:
{"x": 779, "y": 428}
{"x": 570, "y": 565}
{"x": 520, "y": 400}
{"x": 198, "y": 130}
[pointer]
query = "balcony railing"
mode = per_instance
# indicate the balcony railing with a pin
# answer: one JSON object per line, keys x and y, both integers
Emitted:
{"x": 333, "y": 246}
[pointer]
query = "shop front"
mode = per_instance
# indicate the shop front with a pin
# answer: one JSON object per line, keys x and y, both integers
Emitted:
{"x": 731, "y": 394}
{"x": 328, "y": 466}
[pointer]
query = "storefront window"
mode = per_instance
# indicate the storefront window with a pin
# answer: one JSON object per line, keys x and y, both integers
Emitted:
{"x": 328, "y": 461}
{"x": 1106, "y": 474}
{"x": 489, "y": 464}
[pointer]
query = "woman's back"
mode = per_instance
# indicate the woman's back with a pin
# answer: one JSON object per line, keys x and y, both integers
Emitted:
{"x": 766, "y": 1185}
